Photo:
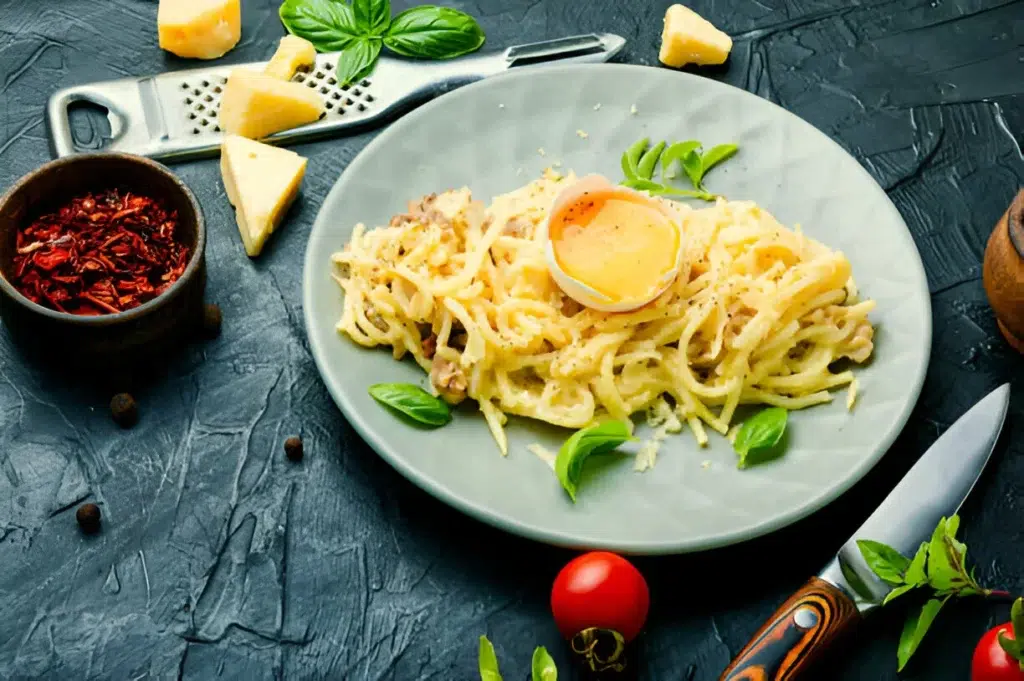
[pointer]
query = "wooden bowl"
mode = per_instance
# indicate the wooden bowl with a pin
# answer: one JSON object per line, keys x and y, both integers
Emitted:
{"x": 118, "y": 341}
{"x": 1003, "y": 272}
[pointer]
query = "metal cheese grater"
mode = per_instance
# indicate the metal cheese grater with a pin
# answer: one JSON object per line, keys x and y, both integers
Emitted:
{"x": 173, "y": 116}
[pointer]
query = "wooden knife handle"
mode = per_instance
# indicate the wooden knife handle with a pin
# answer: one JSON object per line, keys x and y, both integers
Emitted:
{"x": 796, "y": 635}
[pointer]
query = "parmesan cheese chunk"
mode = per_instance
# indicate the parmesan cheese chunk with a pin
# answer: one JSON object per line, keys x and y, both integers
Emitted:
{"x": 199, "y": 29}
{"x": 261, "y": 181}
{"x": 689, "y": 38}
{"x": 292, "y": 54}
{"x": 256, "y": 105}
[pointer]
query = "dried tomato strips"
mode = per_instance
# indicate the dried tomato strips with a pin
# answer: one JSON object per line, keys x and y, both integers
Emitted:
{"x": 100, "y": 254}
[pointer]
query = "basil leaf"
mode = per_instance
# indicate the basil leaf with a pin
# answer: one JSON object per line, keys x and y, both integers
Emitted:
{"x": 760, "y": 434}
{"x": 916, "y": 574}
{"x": 328, "y": 24}
{"x": 372, "y": 16}
{"x": 694, "y": 168}
{"x": 413, "y": 401}
{"x": 716, "y": 155}
{"x": 627, "y": 170}
{"x": 357, "y": 60}
{"x": 914, "y": 630}
{"x": 598, "y": 439}
{"x": 642, "y": 184}
{"x": 943, "y": 573}
{"x": 897, "y": 592}
{"x": 676, "y": 152}
{"x": 488, "y": 661}
{"x": 632, "y": 156}
{"x": 430, "y": 32}
{"x": 543, "y": 666}
{"x": 645, "y": 168}
{"x": 885, "y": 561}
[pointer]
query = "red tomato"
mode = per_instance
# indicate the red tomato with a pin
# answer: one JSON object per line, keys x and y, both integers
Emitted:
{"x": 600, "y": 589}
{"x": 991, "y": 662}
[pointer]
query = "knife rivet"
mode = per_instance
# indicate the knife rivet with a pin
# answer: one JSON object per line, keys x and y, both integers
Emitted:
{"x": 805, "y": 617}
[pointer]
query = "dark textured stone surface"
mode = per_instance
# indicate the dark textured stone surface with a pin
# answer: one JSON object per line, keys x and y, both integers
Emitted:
{"x": 218, "y": 558}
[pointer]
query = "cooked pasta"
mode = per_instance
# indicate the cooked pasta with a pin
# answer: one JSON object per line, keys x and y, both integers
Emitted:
{"x": 760, "y": 314}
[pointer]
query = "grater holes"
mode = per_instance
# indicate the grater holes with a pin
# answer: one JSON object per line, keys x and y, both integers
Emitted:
{"x": 200, "y": 107}
{"x": 324, "y": 90}
{"x": 357, "y": 92}
{"x": 368, "y": 98}
{"x": 320, "y": 75}
{"x": 206, "y": 83}
{"x": 335, "y": 96}
{"x": 204, "y": 122}
{"x": 216, "y": 128}
{"x": 365, "y": 82}
{"x": 332, "y": 81}
{"x": 299, "y": 77}
{"x": 329, "y": 106}
{"x": 188, "y": 101}
{"x": 361, "y": 107}
{"x": 208, "y": 98}
{"x": 311, "y": 83}
{"x": 328, "y": 67}
{"x": 223, "y": 80}
{"x": 191, "y": 115}
{"x": 196, "y": 92}
{"x": 217, "y": 89}
{"x": 195, "y": 131}
{"x": 349, "y": 102}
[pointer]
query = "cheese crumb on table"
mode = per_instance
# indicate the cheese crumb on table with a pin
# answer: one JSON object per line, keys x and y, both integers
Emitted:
{"x": 582, "y": 134}
{"x": 633, "y": 110}
{"x": 199, "y": 29}
{"x": 261, "y": 182}
{"x": 689, "y": 38}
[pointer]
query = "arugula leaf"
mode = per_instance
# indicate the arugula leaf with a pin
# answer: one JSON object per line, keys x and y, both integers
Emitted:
{"x": 598, "y": 439}
{"x": 676, "y": 152}
{"x": 430, "y": 32}
{"x": 372, "y": 16}
{"x": 543, "y": 667}
{"x": 889, "y": 564}
{"x": 328, "y": 24}
{"x": 760, "y": 434}
{"x": 647, "y": 163}
{"x": 413, "y": 401}
{"x": 715, "y": 156}
{"x": 915, "y": 628}
{"x": 488, "y": 661}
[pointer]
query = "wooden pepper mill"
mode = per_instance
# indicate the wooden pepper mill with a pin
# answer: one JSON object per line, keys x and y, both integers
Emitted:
{"x": 1003, "y": 272}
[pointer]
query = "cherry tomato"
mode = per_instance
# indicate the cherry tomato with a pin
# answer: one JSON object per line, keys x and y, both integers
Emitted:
{"x": 600, "y": 589}
{"x": 991, "y": 662}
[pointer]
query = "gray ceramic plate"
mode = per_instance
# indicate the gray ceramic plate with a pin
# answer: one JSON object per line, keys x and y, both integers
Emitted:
{"x": 487, "y": 136}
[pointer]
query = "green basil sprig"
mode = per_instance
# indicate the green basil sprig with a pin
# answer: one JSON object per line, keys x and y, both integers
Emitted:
{"x": 598, "y": 439}
{"x": 359, "y": 30}
{"x": 760, "y": 435}
{"x": 640, "y": 163}
{"x": 488, "y": 661}
{"x": 542, "y": 667}
{"x": 939, "y": 567}
{"x": 413, "y": 401}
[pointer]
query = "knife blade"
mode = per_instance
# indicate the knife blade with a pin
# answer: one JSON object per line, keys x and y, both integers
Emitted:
{"x": 833, "y": 602}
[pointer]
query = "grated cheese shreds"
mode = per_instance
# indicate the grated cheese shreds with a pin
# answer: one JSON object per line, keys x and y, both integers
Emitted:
{"x": 545, "y": 455}
{"x": 851, "y": 396}
{"x": 664, "y": 421}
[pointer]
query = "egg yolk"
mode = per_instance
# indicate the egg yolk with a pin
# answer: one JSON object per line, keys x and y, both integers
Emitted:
{"x": 615, "y": 243}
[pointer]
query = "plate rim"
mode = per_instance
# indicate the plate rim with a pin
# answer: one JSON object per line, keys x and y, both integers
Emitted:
{"x": 440, "y": 490}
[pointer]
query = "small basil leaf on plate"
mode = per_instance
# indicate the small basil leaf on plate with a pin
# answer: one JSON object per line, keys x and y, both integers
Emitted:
{"x": 694, "y": 168}
{"x": 329, "y": 25}
{"x": 716, "y": 155}
{"x": 429, "y": 32}
{"x": 488, "y": 661}
{"x": 598, "y": 439}
{"x": 372, "y": 16}
{"x": 642, "y": 184}
{"x": 543, "y": 666}
{"x": 760, "y": 434}
{"x": 676, "y": 153}
{"x": 645, "y": 167}
{"x": 631, "y": 158}
{"x": 413, "y": 401}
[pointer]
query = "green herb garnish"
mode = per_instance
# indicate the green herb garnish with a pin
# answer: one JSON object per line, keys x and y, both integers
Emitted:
{"x": 359, "y": 31}
{"x": 488, "y": 661}
{"x": 543, "y": 666}
{"x": 639, "y": 164}
{"x": 760, "y": 435}
{"x": 598, "y": 439}
{"x": 1014, "y": 647}
{"x": 413, "y": 401}
{"x": 938, "y": 566}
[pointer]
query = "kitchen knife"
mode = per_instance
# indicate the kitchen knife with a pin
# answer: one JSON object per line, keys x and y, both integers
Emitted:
{"x": 172, "y": 116}
{"x": 840, "y": 596}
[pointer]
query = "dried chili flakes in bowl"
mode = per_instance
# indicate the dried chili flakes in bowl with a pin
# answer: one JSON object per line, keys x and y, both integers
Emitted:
{"x": 100, "y": 254}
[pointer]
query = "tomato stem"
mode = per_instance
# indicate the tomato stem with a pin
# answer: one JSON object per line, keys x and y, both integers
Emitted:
{"x": 999, "y": 595}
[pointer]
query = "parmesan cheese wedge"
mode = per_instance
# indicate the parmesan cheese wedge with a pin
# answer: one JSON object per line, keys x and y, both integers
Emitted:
{"x": 256, "y": 105}
{"x": 292, "y": 54}
{"x": 689, "y": 38}
{"x": 199, "y": 29}
{"x": 261, "y": 181}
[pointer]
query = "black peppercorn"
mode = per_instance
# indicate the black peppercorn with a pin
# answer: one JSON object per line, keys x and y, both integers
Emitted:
{"x": 211, "y": 320}
{"x": 88, "y": 516}
{"x": 124, "y": 410}
{"x": 293, "y": 448}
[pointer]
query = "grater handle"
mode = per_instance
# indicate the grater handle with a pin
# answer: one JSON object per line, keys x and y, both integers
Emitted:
{"x": 59, "y": 119}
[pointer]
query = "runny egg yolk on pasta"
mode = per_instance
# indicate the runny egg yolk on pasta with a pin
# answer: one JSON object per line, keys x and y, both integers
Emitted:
{"x": 609, "y": 247}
